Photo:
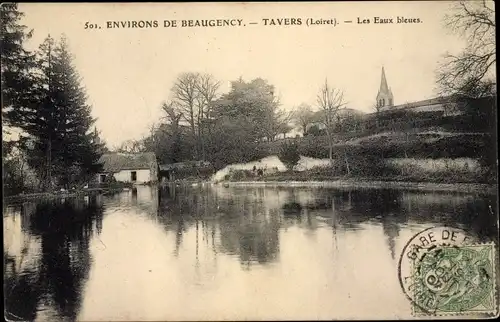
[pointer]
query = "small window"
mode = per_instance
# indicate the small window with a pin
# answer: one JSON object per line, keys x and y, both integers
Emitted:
{"x": 133, "y": 176}
{"x": 102, "y": 178}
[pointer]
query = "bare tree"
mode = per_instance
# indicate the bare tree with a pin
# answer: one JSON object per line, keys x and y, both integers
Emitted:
{"x": 130, "y": 146}
{"x": 303, "y": 115}
{"x": 272, "y": 118}
{"x": 172, "y": 116}
{"x": 471, "y": 72}
{"x": 207, "y": 88}
{"x": 330, "y": 100}
{"x": 185, "y": 93}
{"x": 283, "y": 120}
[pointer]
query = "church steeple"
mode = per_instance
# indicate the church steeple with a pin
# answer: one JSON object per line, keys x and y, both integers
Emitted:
{"x": 383, "y": 82}
{"x": 384, "y": 97}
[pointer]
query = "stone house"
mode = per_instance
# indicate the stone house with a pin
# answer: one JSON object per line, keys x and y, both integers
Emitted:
{"x": 137, "y": 168}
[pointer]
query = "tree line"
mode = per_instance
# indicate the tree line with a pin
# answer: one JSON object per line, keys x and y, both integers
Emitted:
{"x": 43, "y": 99}
{"x": 201, "y": 123}
{"x": 42, "y": 95}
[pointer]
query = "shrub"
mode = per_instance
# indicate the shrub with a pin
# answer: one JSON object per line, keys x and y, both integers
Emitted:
{"x": 289, "y": 155}
{"x": 315, "y": 131}
{"x": 238, "y": 175}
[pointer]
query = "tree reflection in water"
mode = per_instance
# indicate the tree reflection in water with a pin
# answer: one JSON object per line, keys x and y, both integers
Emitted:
{"x": 51, "y": 263}
{"x": 235, "y": 225}
{"x": 246, "y": 221}
{"x": 63, "y": 230}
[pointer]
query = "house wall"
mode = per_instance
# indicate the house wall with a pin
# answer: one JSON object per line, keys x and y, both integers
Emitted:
{"x": 143, "y": 176}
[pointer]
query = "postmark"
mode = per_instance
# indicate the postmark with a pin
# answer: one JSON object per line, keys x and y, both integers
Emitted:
{"x": 447, "y": 271}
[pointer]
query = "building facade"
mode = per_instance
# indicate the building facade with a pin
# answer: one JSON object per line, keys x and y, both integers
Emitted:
{"x": 385, "y": 102}
{"x": 137, "y": 168}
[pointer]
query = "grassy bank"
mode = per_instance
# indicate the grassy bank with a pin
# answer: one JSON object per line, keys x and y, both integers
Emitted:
{"x": 450, "y": 173}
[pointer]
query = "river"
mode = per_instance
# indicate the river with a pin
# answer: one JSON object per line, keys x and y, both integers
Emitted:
{"x": 211, "y": 252}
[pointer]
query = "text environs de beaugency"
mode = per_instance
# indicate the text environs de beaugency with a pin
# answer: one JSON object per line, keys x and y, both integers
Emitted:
{"x": 175, "y": 23}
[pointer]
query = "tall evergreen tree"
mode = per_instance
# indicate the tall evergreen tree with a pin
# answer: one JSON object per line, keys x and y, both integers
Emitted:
{"x": 74, "y": 136}
{"x": 16, "y": 64}
{"x": 17, "y": 85}
{"x": 39, "y": 119}
{"x": 59, "y": 120}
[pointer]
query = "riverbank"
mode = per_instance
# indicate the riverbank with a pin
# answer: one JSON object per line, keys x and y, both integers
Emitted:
{"x": 371, "y": 184}
{"x": 58, "y": 195}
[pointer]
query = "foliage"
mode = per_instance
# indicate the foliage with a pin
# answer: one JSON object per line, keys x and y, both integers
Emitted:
{"x": 55, "y": 116}
{"x": 64, "y": 130}
{"x": 16, "y": 63}
{"x": 192, "y": 97}
{"x": 471, "y": 72}
{"x": 232, "y": 142}
{"x": 239, "y": 175}
{"x": 222, "y": 130}
{"x": 330, "y": 100}
{"x": 303, "y": 115}
{"x": 314, "y": 130}
{"x": 12, "y": 178}
{"x": 17, "y": 87}
{"x": 289, "y": 155}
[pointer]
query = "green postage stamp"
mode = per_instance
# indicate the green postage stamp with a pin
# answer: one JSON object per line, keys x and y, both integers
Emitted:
{"x": 444, "y": 271}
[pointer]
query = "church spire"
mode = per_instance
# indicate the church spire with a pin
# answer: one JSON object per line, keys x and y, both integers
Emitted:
{"x": 383, "y": 83}
{"x": 384, "y": 96}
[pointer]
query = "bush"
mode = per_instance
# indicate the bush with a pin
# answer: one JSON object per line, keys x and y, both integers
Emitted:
{"x": 289, "y": 155}
{"x": 239, "y": 175}
{"x": 315, "y": 131}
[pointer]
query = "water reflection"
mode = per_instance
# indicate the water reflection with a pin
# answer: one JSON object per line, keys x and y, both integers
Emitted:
{"x": 46, "y": 256}
{"x": 249, "y": 217}
{"x": 231, "y": 253}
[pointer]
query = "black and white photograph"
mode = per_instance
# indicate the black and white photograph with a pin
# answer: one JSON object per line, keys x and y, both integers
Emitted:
{"x": 234, "y": 161}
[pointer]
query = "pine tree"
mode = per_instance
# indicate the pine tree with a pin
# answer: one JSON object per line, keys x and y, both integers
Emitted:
{"x": 42, "y": 96}
{"x": 17, "y": 85}
{"x": 73, "y": 137}
{"x": 16, "y": 64}
{"x": 60, "y": 121}
{"x": 39, "y": 120}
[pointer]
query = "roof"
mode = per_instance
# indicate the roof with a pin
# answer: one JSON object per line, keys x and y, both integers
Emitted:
{"x": 383, "y": 83}
{"x": 427, "y": 104}
{"x": 113, "y": 162}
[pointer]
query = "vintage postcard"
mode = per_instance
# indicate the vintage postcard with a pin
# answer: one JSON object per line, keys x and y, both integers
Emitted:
{"x": 250, "y": 161}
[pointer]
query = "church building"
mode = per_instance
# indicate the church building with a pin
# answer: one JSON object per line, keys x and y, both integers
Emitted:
{"x": 385, "y": 102}
{"x": 385, "y": 99}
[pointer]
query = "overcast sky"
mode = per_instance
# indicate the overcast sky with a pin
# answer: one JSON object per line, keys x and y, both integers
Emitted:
{"x": 128, "y": 72}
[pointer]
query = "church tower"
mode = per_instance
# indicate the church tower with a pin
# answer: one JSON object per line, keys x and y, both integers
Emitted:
{"x": 385, "y": 98}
